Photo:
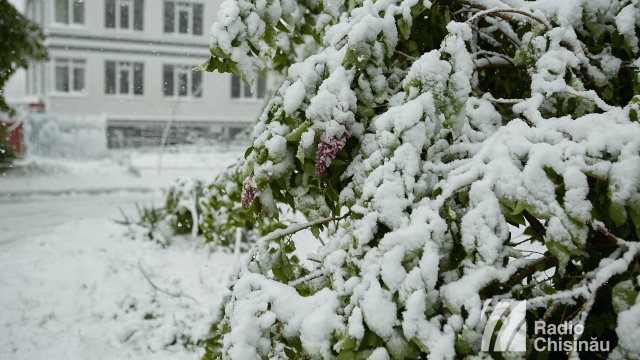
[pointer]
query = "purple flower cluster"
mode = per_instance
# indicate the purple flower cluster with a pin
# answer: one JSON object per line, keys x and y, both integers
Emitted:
{"x": 248, "y": 192}
{"x": 327, "y": 150}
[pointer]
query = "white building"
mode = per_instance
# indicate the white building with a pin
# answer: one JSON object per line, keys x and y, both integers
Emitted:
{"x": 131, "y": 61}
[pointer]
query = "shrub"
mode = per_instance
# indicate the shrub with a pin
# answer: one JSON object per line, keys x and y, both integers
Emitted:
{"x": 422, "y": 130}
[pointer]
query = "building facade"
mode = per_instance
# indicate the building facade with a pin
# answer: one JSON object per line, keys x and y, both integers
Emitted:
{"x": 132, "y": 61}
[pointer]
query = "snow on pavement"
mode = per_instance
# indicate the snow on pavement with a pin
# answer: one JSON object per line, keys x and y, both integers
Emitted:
{"x": 24, "y": 216}
{"x": 132, "y": 171}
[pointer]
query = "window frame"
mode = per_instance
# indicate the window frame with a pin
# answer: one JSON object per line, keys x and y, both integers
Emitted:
{"x": 179, "y": 6}
{"x": 244, "y": 86}
{"x": 118, "y": 67}
{"x": 177, "y": 70}
{"x": 70, "y": 14}
{"x": 117, "y": 16}
{"x": 72, "y": 64}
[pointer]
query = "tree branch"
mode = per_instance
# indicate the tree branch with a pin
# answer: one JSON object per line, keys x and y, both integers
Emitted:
{"x": 531, "y": 269}
{"x": 177, "y": 295}
{"x": 312, "y": 276}
{"x": 292, "y": 229}
{"x": 484, "y": 13}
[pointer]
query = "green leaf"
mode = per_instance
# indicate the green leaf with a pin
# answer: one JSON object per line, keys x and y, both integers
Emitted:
{"x": 559, "y": 251}
{"x": 315, "y": 231}
{"x": 345, "y": 355}
{"x": 212, "y": 64}
{"x": 279, "y": 274}
{"x": 282, "y": 183}
{"x": 405, "y": 28}
{"x": 296, "y": 134}
{"x": 290, "y": 353}
{"x": 248, "y": 152}
{"x": 347, "y": 343}
{"x": 270, "y": 37}
{"x": 372, "y": 339}
{"x": 280, "y": 26}
{"x": 300, "y": 153}
{"x": 623, "y": 296}
{"x": 618, "y": 213}
{"x": 309, "y": 168}
{"x": 515, "y": 220}
{"x": 290, "y": 247}
{"x": 608, "y": 93}
{"x": 520, "y": 206}
{"x": 634, "y": 213}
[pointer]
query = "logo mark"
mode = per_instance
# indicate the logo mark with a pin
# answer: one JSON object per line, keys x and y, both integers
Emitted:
{"x": 513, "y": 332}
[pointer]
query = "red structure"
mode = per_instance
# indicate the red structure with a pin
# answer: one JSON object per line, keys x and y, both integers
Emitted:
{"x": 15, "y": 137}
{"x": 15, "y": 128}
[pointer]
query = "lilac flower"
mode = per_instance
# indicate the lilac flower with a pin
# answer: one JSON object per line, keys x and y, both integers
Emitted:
{"x": 248, "y": 192}
{"x": 327, "y": 150}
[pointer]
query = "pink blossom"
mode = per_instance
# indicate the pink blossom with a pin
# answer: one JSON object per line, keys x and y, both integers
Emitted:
{"x": 248, "y": 192}
{"x": 327, "y": 150}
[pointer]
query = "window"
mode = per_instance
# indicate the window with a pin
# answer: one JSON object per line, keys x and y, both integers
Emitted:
{"x": 69, "y": 75}
{"x": 181, "y": 80}
{"x": 242, "y": 90}
{"x": 124, "y": 14}
{"x": 183, "y": 17}
{"x": 124, "y": 78}
{"x": 69, "y": 12}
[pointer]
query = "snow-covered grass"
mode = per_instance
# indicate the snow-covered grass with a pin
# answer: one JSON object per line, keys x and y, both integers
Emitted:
{"x": 72, "y": 279}
{"x": 79, "y": 292}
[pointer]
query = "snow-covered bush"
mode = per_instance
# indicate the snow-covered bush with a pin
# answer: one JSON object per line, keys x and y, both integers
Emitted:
{"x": 222, "y": 212}
{"x": 216, "y": 209}
{"x": 182, "y": 208}
{"x": 421, "y": 130}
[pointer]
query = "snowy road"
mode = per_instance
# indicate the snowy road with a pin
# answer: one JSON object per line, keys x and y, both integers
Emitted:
{"x": 20, "y": 214}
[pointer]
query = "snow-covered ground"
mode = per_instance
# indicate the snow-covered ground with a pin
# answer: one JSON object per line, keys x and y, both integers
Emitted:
{"x": 72, "y": 280}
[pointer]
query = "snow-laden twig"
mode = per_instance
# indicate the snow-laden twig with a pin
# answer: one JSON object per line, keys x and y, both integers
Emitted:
{"x": 312, "y": 276}
{"x": 494, "y": 54}
{"x": 485, "y": 36}
{"x": 484, "y": 13}
{"x": 590, "y": 96}
{"x": 505, "y": 101}
{"x": 292, "y": 229}
{"x": 405, "y": 55}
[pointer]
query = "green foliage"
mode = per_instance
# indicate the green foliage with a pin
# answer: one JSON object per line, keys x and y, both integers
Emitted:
{"x": 6, "y": 151}
{"x": 218, "y": 210}
{"x": 181, "y": 200}
{"x": 223, "y": 213}
{"x": 20, "y": 41}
